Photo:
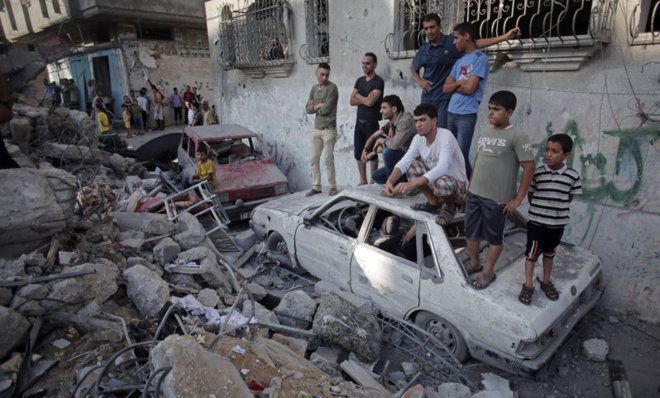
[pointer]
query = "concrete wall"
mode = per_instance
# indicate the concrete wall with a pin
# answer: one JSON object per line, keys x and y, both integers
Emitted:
{"x": 618, "y": 216}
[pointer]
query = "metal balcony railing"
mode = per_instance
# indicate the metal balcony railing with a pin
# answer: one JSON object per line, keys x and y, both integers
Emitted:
{"x": 317, "y": 47}
{"x": 258, "y": 35}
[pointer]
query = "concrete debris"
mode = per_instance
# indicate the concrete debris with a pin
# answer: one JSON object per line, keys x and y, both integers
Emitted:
{"x": 12, "y": 269}
{"x": 356, "y": 329}
{"x": 296, "y": 309}
{"x": 146, "y": 290}
{"x": 328, "y": 367}
{"x": 36, "y": 205}
{"x": 260, "y": 313}
{"x": 196, "y": 372}
{"x": 409, "y": 369}
{"x": 61, "y": 343}
{"x": 494, "y": 387}
{"x": 257, "y": 291}
{"x": 208, "y": 297}
{"x": 34, "y": 259}
{"x": 66, "y": 258}
{"x": 246, "y": 239}
{"x": 97, "y": 286}
{"x": 6, "y": 296}
{"x": 21, "y": 130}
{"x": 596, "y": 349}
{"x": 299, "y": 346}
{"x": 189, "y": 231}
{"x": 149, "y": 223}
{"x": 166, "y": 251}
{"x": 13, "y": 327}
{"x": 454, "y": 390}
{"x": 208, "y": 267}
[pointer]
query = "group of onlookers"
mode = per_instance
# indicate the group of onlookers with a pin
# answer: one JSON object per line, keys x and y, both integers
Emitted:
{"x": 66, "y": 94}
{"x": 428, "y": 152}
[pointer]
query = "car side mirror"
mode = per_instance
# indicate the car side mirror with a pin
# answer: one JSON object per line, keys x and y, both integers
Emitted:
{"x": 307, "y": 220}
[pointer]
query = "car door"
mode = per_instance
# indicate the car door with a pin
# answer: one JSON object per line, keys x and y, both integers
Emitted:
{"x": 186, "y": 155}
{"x": 325, "y": 243}
{"x": 387, "y": 274}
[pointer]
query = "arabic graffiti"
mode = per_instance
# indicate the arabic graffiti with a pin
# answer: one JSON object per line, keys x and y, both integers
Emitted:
{"x": 597, "y": 185}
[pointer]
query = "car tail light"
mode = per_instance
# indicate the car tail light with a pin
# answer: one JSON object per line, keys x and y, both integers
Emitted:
{"x": 281, "y": 189}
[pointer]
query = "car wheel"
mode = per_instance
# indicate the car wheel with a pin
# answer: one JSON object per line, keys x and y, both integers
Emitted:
{"x": 445, "y": 332}
{"x": 277, "y": 244}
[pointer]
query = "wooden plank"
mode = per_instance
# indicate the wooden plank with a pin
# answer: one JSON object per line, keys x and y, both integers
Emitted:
{"x": 363, "y": 378}
{"x": 245, "y": 256}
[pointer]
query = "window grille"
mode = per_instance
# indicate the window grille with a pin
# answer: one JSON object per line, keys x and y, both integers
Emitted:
{"x": 44, "y": 8}
{"x": 317, "y": 48}
{"x": 644, "y": 24}
{"x": 408, "y": 33}
{"x": 258, "y": 35}
{"x": 56, "y": 7}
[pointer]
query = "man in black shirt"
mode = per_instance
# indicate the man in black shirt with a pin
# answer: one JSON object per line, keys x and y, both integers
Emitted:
{"x": 367, "y": 96}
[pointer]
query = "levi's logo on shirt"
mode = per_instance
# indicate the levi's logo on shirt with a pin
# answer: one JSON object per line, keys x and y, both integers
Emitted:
{"x": 484, "y": 142}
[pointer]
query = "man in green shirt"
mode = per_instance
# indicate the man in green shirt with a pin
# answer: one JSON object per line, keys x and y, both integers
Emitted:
{"x": 323, "y": 103}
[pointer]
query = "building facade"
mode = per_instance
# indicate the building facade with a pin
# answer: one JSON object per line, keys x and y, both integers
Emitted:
{"x": 587, "y": 68}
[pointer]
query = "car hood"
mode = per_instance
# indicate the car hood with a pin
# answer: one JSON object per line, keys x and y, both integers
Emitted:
{"x": 573, "y": 270}
{"x": 238, "y": 176}
{"x": 295, "y": 203}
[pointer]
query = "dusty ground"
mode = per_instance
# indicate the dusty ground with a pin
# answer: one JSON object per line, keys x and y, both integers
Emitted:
{"x": 571, "y": 374}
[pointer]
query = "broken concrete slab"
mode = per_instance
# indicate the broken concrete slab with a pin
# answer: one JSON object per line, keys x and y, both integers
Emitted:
{"x": 189, "y": 231}
{"x": 356, "y": 329}
{"x": 98, "y": 285}
{"x": 299, "y": 346}
{"x": 454, "y": 390}
{"x": 149, "y": 223}
{"x": 494, "y": 387}
{"x": 12, "y": 269}
{"x": 329, "y": 368}
{"x": 146, "y": 290}
{"x": 74, "y": 153}
{"x": 66, "y": 258}
{"x": 208, "y": 268}
{"x": 596, "y": 349}
{"x": 245, "y": 239}
{"x": 21, "y": 130}
{"x": 296, "y": 309}
{"x": 27, "y": 299}
{"x": 166, "y": 251}
{"x": 36, "y": 205}
{"x": 34, "y": 259}
{"x": 13, "y": 327}
{"x": 260, "y": 313}
{"x": 196, "y": 372}
{"x": 363, "y": 378}
{"x": 256, "y": 290}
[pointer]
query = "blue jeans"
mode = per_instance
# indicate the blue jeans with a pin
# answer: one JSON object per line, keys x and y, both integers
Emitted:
{"x": 462, "y": 126}
{"x": 441, "y": 107}
{"x": 390, "y": 158}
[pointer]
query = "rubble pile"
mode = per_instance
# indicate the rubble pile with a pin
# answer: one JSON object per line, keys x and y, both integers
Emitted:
{"x": 111, "y": 284}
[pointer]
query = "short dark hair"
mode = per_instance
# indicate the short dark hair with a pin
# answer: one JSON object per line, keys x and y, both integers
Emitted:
{"x": 564, "y": 140}
{"x": 466, "y": 28}
{"x": 504, "y": 98}
{"x": 202, "y": 149}
{"x": 394, "y": 100}
{"x": 373, "y": 57}
{"x": 432, "y": 17}
{"x": 426, "y": 109}
{"x": 324, "y": 65}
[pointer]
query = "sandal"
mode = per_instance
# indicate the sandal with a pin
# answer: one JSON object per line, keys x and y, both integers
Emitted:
{"x": 525, "y": 295}
{"x": 312, "y": 192}
{"x": 332, "y": 192}
{"x": 479, "y": 283}
{"x": 425, "y": 206}
{"x": 549, "y": 289}
{"x": 445, "y": 216}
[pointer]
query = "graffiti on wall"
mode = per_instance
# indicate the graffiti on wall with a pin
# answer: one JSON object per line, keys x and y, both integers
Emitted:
{"x": 598, "y": 185}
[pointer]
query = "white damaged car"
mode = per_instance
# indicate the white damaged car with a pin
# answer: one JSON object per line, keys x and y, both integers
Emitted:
{"x": 381, "y": 249}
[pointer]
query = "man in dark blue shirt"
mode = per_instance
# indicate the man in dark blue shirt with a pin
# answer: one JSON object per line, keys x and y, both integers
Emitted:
{"x": 437, "y": 57}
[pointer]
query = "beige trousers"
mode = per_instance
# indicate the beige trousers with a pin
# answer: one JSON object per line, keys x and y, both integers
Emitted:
{"x": 323, "y": 143}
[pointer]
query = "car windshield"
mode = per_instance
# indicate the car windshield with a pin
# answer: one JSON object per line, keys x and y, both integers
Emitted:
{"x": 239, "y": 150}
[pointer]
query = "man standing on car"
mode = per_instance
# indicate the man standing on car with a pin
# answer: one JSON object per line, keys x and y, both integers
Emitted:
{"x": 322, "y": 103}
{"x": 437, "y": 57}
{"x": 367, "y": 95}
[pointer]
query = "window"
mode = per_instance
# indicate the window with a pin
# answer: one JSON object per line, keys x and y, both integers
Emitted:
{"x": 184, "y": 143}
{"x": 408, "y": 33}
{"x": 10, "y": 14}
{"x": 44, "y": 8}
{"x": 317, "y": 48}
{"x": 536, "y": 19}
{"x": 191, "y": 148}
{"x": 147, "y": 32}
{"x": 645, "y": 22}
{"x": 345, "y": 217}
{"x": 257, "y": 36}
{"x": 394, "y": 234}
{"x": 241, "y": 150}
{"x": 56, "y": 7}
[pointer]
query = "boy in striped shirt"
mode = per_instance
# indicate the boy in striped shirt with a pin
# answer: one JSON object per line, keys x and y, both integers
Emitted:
{"x": 550, "y": 195}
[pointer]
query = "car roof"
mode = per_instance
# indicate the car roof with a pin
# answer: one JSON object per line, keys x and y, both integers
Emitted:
{"x": 373, "y": 194}
{"x": 220, "y": 131}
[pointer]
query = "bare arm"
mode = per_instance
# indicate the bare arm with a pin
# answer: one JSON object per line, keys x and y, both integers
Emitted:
{"x": 489, "y": 41}
{"x": 370, "y": 100}
{"x": 355, "y": 98}
{"x": 423, "y": 84}
{"x": 525, "y": 181}
{"x": 468, "y": 86}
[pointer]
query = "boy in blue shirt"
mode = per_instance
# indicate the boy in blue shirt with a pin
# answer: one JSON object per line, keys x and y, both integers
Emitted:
{"x": 466, "y": 82}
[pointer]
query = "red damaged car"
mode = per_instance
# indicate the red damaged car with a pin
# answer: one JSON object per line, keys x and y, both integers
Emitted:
{"x": 246, "y": 174}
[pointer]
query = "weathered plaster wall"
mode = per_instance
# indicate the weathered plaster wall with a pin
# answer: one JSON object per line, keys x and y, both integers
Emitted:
{"x": 167, "y": 69}
{"x": 618, "y": 217}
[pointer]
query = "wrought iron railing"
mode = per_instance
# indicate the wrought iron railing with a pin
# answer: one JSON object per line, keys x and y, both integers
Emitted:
{"x": 317, "y": 47}
{"x": 258, "y": 35}
{"x": 541, "y": 22}
{"x": 644, "y": 24}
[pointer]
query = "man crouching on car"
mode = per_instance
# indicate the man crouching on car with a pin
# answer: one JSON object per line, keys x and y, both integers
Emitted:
{"x": 434, "y": 165}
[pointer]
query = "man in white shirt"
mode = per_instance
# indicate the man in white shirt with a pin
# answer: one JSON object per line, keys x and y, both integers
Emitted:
{"x": 434, "y": 165}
